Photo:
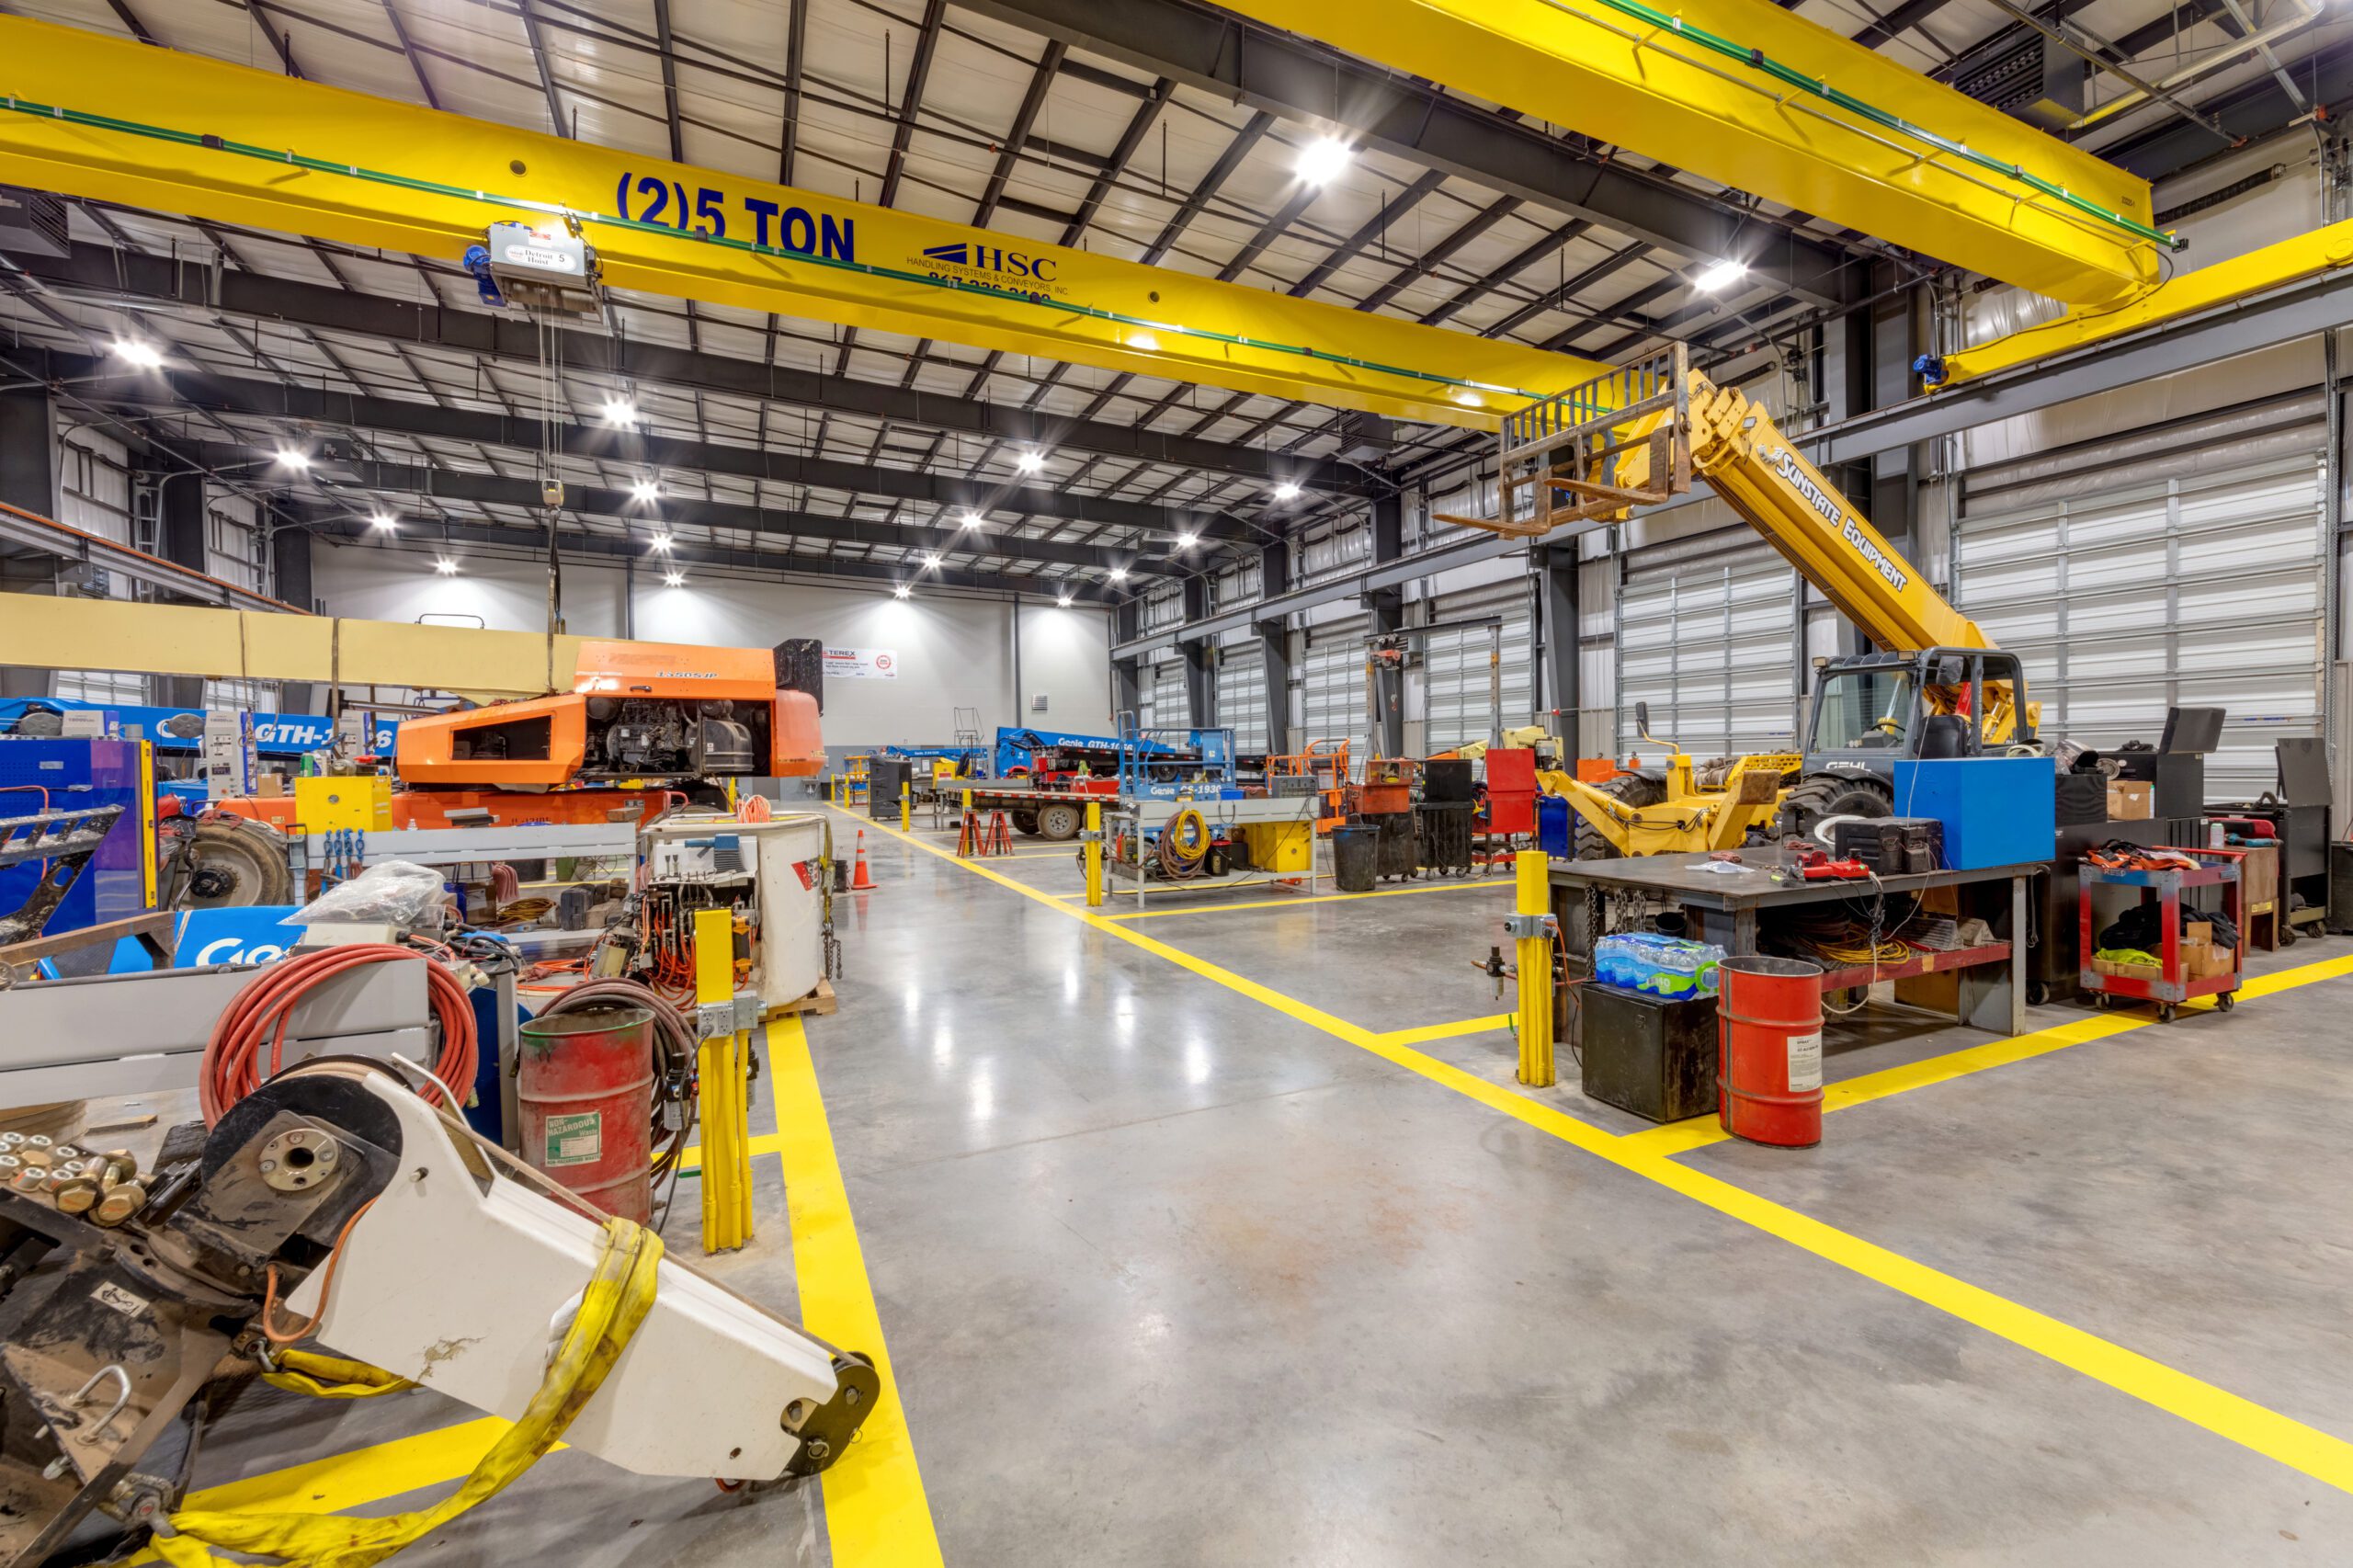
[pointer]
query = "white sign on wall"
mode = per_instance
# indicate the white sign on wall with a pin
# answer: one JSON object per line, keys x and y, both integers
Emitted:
{"x": 862, "y": 663}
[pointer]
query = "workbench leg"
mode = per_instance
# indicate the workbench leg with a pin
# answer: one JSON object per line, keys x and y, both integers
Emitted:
{"x": 2019, "y": 957}
{"x": 1744, "y": 932}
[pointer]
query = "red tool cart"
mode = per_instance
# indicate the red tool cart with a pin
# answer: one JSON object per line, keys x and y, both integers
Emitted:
{"x": 2172, "y": 986}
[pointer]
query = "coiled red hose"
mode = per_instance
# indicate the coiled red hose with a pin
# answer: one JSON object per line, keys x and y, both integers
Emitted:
{"x": 255, "y": 1021}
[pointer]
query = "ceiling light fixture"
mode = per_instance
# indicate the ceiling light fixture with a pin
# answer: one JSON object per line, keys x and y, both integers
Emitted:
{"x": 660, "y": 541}
{"x": 1286, "y": 491}
{"x": 1119, "y": 573}
{"x": 646, "y": 489}
{"x": 384, "y": 520}
{"x": 293, "y": 458}
{"x": 931, "y": 560}
{"x": 446, "y": 567}
{"x": 619, "y": 411}
{"x": 1029, "y": 462}
{"x": 1061, "y": 601}
{"x": 1324, "y": 160}
{"x": 1719, "y": 276}
{"x": 970, "y": 519}
{"x": 901, "y": 592}
{"x": 146, "y": 356}
{"x": 675, "y": 579}
{"x": 1186, "y": 539}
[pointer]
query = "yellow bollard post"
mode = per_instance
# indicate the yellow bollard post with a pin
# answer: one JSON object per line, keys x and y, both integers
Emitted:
{"x": 719, "y": 1059}
{"x": 1093, "y": 854}
{"x": 1530, "y": 927}
{"x": 907, "y": 808}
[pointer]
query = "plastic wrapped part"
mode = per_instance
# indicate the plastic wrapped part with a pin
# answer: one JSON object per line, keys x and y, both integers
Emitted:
{"x": 398, "y": 893}
{"x": 1660, "y": 966}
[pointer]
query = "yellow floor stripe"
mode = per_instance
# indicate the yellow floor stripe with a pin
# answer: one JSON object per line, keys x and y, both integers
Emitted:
{"x": 1681, "y": 1137}
{"x": 1454, "y": 1031}
{"x": 362, "y": 1476}
{"x": 876, "y": 1513}
{"x": 1298, "y": 900}
{"x": 2321, "y": 1455}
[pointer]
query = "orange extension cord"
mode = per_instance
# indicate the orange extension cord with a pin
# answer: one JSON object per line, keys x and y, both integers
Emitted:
{"x": 232, "y": 1065}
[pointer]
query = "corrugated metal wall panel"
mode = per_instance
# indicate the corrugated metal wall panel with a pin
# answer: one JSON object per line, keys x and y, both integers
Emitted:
{"x": 2202, "y": 590}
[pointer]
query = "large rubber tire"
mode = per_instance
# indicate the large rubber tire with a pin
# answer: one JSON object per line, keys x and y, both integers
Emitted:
{"x": 229, "y": 866}
{"x": 1634, "y": 791}
{"x": 1060, "y": 820}
{"x": 1025, "y": 823}
{"x": 1821, "y": 795}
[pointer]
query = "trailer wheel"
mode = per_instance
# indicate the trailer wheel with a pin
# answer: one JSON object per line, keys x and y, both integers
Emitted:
{"x": 1025, "y": 823}
{"x": 1060, "y": 820}
{"x": 228, "y": 864}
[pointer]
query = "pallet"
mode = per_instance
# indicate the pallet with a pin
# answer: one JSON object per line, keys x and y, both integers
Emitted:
{"x": 820, "y": 1003}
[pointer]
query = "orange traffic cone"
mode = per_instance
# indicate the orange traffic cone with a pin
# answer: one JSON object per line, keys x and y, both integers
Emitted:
{"x": 860, "y": 880}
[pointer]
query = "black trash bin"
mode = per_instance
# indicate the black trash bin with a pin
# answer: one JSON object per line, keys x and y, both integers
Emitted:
{"x": 1356, "y": 852}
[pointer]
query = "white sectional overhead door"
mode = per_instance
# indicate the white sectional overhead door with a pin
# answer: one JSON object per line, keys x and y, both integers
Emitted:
{"x": 1711, "y": 643}
{"x": 2203, "y": 591}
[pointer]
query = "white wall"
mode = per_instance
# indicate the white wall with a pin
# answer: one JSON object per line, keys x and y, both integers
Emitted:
{"x": 950, "y": 651}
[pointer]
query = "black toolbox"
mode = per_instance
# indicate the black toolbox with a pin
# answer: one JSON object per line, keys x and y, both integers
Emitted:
{"x": 1649, "y": 1055}
{"x": 1891, "y": 846}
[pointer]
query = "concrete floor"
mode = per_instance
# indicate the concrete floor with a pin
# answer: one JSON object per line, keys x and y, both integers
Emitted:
{"x": 1171, "y": 1276}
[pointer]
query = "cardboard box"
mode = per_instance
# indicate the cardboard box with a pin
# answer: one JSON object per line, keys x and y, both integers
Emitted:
{"x": 2128, "y": 971}
{"x": 2205, "y": 963}
{"x": 2130, "y": 801}
{"x": 2197, "y": 934}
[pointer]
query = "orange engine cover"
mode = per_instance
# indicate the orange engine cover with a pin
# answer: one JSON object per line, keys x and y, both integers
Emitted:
{"x": 636, "y": 711}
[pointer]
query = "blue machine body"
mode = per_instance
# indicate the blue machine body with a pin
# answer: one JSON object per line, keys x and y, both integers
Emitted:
{"x": 119, "y": 881}
{"x": 1016, "y": 749}
{"x": 1555, "y": 827}
{"x": 1996, "y": 811}
{"x": 182, "y": 729}
{"x": 1205, "y": 773}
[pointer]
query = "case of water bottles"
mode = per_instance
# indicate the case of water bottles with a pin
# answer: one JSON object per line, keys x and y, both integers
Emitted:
{"x": 1658, "y": 966}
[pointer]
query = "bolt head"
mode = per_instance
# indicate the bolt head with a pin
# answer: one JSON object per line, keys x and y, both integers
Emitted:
{"x": 268, "y": 1166}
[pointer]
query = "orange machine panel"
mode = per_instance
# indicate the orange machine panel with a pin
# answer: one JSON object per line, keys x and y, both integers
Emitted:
{"x": 668, "y": 669}
{"x": 546, "y": 742}
{"x": 796, "y": 745}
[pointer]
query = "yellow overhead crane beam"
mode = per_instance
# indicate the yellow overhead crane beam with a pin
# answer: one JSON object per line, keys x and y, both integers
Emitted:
{"x": 2275, "y": 266}
{"x": 111, "y": 120}
{"x": 46, "y": 631}
{"x": 1745, "y": 94}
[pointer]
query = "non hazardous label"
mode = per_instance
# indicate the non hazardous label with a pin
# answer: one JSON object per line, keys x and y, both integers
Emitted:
{"x": 579, "y": 1139}
{"x": 1805, "y": 1061}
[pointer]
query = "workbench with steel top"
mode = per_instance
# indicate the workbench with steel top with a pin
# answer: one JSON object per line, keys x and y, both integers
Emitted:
{"x": 1726, "y": 907}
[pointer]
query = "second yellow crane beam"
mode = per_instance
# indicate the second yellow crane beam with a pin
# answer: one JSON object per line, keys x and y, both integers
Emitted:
{"x": 1745, "y": 94}
{"x": 110, "y": 120}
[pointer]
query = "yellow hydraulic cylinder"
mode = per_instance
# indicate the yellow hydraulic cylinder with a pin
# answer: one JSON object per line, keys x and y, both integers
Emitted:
{"x": 1093, "y": 854}
{"x": 723, "y": 1060}
{"x": 180, "y": 133}
{"x": 1754, "y": 97}
{"x": 1532, "y": 910}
